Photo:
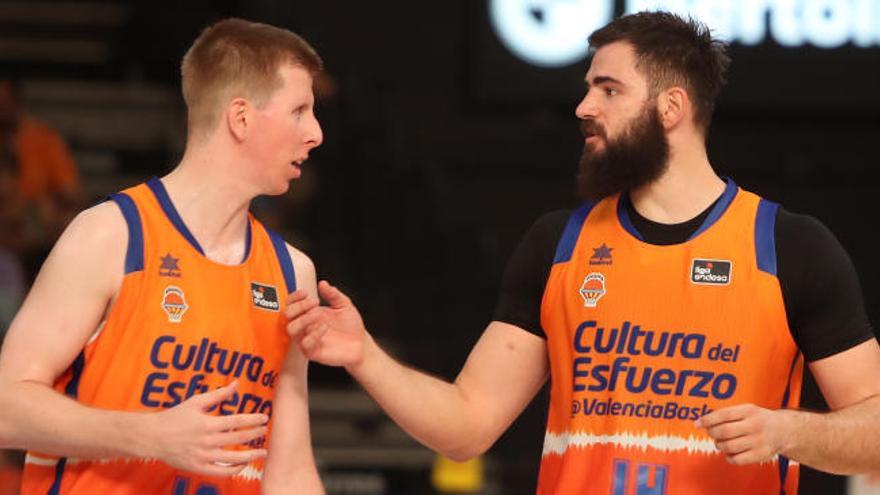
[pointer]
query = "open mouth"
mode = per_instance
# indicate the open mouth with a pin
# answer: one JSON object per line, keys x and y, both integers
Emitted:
{"x": 590, "y": 130}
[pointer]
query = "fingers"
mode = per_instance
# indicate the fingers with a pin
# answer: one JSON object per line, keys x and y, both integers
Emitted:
{"x": 312, "y": 340}
{"x": 729, "y": 431}
{"x": 210, "y": 399}
{"x": 726, "y": 415}
{"x": 219, "y": 471}
{"x": 223, "y": 469}
{"x": 296, "y": 296}
{"x": 238, "y": 421}
{"x": 297, "y": 325}
{"x": 237, "y": 457}
{"x": 332, "y": 295}
{"x": 735, "y": 446}
{"x": 296, "y": 307}
{"x": 749, "y": 456}
{"x": 238, "y": 437}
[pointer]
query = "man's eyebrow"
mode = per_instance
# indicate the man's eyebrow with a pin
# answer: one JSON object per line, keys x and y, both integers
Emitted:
{"x": 602, "y": 80}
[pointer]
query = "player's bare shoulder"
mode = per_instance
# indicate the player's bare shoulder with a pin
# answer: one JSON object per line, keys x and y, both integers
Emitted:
{"x": 101, "y": 226}
{"x": 305, "y": 270}
{"x": 84, "y": 271}
{"x": 95, "y": 242}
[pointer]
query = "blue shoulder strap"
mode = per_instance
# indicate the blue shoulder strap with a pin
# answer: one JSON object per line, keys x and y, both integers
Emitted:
{"x": 284, "y": 260}
{"x": 134, "y": 255}
{"x": 765, "y": 236}
{"x": 565, "y": 247}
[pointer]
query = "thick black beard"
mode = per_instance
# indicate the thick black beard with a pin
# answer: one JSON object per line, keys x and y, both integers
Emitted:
{"x": 638, "y": 157}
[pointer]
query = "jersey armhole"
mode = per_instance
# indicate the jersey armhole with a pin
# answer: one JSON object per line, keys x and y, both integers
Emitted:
{"x": 284, "y": 260}
{"x": 765, "y": 236}
{"x": 134, "y": 254}
{"x": 565, "y": 247}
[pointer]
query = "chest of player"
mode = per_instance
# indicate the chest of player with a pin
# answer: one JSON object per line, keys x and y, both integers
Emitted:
{"x": 692, "y": 320}
{"x": 184, "y": 324}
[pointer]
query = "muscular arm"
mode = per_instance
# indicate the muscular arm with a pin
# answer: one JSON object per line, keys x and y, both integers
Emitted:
{"x": 65, "y": 306}
{"x": 828, "y": 321}
{"x": 842, "y": 442}
{"x": 291, "y": 462}
{"x": 845, "y": 440}
{"x": 462, "y": 419}
{"x": 502, "y": 374}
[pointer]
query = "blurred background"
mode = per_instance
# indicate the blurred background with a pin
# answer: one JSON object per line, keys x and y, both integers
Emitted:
{"x": 449, "y": 128}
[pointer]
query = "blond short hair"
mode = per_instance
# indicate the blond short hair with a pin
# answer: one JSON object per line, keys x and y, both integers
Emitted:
{"x": 237, "y": 58}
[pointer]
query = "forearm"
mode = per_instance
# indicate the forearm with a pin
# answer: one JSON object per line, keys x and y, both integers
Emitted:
{"x": 291, "y": 462}
{"x": 433, "y": 411}
{"x": 841, "y": 442}
{"x": 303, "y": 479}
{"x": 38, "y": 418}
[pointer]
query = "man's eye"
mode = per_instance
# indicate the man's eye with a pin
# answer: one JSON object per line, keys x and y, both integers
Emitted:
{"x": 610, "y": 92}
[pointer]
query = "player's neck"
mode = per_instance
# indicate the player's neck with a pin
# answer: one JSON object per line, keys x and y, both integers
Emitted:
{"x": 212, "y": 204}
{"x": 685, "y": 190}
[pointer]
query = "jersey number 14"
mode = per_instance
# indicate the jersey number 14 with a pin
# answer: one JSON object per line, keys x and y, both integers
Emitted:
{"x": 650, "y": 479}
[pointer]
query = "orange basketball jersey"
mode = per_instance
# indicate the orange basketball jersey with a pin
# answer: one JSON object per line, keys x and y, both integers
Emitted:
{"x": 644, "y": 339}
{"x": 181, "y": 325}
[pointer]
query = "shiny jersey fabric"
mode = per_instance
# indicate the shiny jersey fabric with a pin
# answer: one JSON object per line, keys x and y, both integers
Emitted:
{"x": 181, "y": 325}
{"x": 645, "y": 339}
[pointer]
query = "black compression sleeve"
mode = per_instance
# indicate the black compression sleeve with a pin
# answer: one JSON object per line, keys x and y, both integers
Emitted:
{"x": 522, "y": 286}
{"x": 820, "y": 287}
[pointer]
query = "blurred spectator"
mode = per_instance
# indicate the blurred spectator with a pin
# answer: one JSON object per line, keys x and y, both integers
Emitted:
{"x": 12, "y": 220}
{"x": 47, "y": 181}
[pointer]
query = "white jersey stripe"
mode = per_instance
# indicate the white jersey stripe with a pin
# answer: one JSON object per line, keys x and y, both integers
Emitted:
{"x": 558, "y": 444}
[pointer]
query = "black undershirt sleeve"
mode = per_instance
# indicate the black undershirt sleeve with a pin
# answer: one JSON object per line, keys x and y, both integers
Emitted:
{"x": 820, "y": 288}
{"x": 522, "y": 286}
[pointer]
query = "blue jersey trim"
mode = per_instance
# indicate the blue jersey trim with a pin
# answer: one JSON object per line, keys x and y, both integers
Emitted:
{"x": 71, "y": 389}
{"x": 783, "y": 473}
{"x": 783, "y": 461}
{"x": 284, "y": 260}
{"x": 161, "y": 194}
{"x": 247, "y": 241}
{"x": 721, "y": 205}
{"x": 624, "y": 219}
{"x": 134, "y": 255}
{"x": 565, "y": 247}
{"x": 765, "y": 236}
{"x": 59, "y": 473}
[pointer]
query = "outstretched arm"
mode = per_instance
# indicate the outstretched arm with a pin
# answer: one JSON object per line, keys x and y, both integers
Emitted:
{"x": 69, "y": 299}
{"x": 843, "y": 441}
{"x": 461, "y": 419}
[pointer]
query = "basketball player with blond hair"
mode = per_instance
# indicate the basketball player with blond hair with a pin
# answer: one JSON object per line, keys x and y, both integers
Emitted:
{"x": 150, "y": 355}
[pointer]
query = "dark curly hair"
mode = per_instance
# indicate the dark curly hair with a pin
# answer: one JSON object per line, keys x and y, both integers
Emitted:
{"x": 673, "y": 51}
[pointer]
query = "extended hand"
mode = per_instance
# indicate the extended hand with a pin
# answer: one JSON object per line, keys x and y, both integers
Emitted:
{"x": 333, "y": 335}
{"x": 746, "y": 433}
{"x": 189, "y": 438}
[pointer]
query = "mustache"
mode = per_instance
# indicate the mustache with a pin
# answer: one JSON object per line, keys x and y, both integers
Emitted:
{"x": 592, "y": 128}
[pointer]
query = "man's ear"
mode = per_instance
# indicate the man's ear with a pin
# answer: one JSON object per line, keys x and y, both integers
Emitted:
{"x": 674, "y": 106}
{"x": 239, "y": 115}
